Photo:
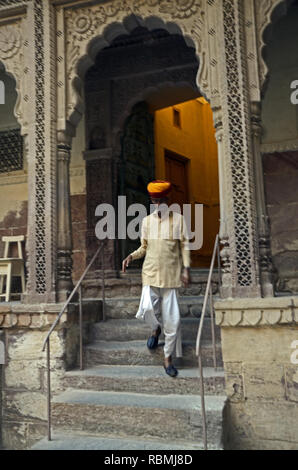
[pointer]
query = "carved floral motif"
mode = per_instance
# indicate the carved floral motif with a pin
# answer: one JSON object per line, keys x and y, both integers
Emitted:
{"x": 179, "y": 8}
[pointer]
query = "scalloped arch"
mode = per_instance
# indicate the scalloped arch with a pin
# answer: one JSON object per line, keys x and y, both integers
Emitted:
{"x": 111, "y": 31}
{"x": 4, "y": 67}
{"x": 276, "y": 9}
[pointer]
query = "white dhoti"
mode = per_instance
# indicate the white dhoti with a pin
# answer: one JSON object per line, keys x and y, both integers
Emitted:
{"x": 164, "y": 301}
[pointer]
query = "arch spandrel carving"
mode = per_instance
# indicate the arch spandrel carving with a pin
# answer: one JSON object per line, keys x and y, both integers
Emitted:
{"x": 12, "y": 58}
{"x": 89, "y": 29}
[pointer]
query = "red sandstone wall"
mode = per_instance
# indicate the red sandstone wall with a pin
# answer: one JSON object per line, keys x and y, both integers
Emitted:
{"x": 281, "y": 176}
{"x": 79, "y": 227}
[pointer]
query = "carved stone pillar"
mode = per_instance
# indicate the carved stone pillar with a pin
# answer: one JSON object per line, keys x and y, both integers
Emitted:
{"x": 240, "y": 236}
{"x": 40, "y": 94}
{"x": 64, "y": 246}
{"x": 266, "y": 266}
{"x": 223, "y": 231}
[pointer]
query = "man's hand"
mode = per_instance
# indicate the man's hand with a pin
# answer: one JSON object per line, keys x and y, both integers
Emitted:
{"x": 125, "y": 263}
{"x": 185, "y": 277}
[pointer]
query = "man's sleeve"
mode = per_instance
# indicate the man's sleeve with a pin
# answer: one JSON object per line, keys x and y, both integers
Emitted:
{"x": 140, "y": 252}
{"x": 184, "y": 245}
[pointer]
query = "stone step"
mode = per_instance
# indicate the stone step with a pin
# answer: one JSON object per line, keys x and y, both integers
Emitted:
{"x": 136, "y": 353}
{"x": 80, "y": 441}
{"x": 134, "y": 329}
{"x": 127, "y": 307}
{"x": 149, "y": 379}
{"x": 130, "y": 284}
{"x": 126, "y": 415}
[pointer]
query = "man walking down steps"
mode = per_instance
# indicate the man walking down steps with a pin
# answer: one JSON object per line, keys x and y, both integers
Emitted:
{"x": 165, "y": 247}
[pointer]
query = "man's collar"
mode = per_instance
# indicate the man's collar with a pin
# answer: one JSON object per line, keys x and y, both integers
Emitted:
{"x": 164, "y": 215}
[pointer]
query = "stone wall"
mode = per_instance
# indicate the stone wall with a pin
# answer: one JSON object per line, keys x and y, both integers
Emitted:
{"x": 281, "y": 176}
{"x": 79, "y": 230}
{"x": 24, "y": 375}
{"x": 279, "y": 115}
{"x": 261, "y": 381}
{"x": 280, "y": 148}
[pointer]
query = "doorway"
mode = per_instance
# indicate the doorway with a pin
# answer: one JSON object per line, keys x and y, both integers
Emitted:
{"x": 177, "y": 173}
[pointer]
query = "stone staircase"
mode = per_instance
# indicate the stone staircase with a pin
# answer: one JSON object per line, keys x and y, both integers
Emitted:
{"x": 124, "y": 400}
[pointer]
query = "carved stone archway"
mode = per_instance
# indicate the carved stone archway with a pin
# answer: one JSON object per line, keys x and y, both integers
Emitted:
{"x": 229, "y": 67}
{"x": 81, "y": 34}
{"x": 107, "y": 87}
{"x": 88, "y": 30}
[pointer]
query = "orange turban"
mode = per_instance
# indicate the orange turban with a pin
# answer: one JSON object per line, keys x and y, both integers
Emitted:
{"x": 158, "y": 189}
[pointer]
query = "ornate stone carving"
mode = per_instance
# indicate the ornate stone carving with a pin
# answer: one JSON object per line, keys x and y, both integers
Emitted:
{"x": 242, "y": 238}
{"x": 64, "y": 244}
{"x": 257, "y": 312}
{"x": 12, "y": 57}
{"x": 40, "y": 149}
{"x": 34, "y": 316}
{"x": 10, "y": 42}
{"x": 8, "y": 3}
{"x": 179, "y": 8}
{"x": 265, "y": 258}
{"x": 280, "y": 146}
{"x": 83, "y": 25}
{"x": 176, "y": 8}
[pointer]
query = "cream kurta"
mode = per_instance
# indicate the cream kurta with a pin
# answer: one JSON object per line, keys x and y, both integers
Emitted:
{"x": 165, "y": 247}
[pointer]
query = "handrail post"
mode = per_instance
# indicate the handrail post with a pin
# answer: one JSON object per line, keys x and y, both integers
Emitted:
{"x": 46, "y": 343}
{"x": 103, "y": 285}
{"x": 49, "y": 389}
{"x": 212, "y": 327}
{"x": 208, "y": 293}
{"x": 81, "y": 327}
{"x": 203, "y": 401}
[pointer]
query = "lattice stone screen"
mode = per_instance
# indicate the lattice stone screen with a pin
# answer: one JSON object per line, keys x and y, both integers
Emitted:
{"x": 11, "y": 151}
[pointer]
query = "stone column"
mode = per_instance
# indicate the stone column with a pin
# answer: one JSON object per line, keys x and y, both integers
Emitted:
{"x": 223, "y": 231}
{"x": 64, "y": 246}
{"x": 40, "y": 87}
{"x": 266, "y": 266}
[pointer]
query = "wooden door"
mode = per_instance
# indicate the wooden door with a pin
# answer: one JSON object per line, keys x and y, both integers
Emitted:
{"x": 177, "y": 174}
{"x": 137, "y": 168}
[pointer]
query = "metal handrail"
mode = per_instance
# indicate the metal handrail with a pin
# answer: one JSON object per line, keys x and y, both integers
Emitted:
{"x": 208, "y": 293}
{"x": 46, "y": 342}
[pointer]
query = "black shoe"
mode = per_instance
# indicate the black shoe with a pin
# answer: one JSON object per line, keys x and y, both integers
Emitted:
{"x": 171, "y": 370}
{"x": 152, "y": 342}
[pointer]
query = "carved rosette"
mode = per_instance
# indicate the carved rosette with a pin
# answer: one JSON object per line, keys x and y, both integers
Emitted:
{"x": 10, "y": 42}
{"x": 83, "y": 25}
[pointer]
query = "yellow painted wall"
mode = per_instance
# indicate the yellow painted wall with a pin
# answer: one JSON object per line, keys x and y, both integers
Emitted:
{"x": 195, "y": 140}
